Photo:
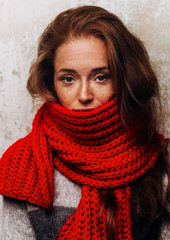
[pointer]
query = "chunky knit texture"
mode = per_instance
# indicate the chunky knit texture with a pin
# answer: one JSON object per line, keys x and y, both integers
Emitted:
{"x": 93, "y": 149}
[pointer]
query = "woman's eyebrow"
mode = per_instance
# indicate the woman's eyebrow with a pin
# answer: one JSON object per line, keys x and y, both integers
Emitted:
{"x": 98, "y": 69}
{"x": 66, "y": 70}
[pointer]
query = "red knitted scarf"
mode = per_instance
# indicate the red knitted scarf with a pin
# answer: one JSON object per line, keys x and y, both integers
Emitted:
{"x": 91, "y": 148}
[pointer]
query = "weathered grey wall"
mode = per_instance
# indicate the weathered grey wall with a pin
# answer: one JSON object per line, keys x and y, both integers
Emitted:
{"x": 21, "y": 23}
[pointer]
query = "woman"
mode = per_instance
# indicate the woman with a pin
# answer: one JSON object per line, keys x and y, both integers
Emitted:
{"x": 93, "y": 165}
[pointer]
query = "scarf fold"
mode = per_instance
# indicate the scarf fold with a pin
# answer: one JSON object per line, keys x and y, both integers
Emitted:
{"x": 91, "y": 148}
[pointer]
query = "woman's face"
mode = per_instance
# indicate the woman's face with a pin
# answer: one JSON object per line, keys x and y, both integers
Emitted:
{"x": 81, "y": 75}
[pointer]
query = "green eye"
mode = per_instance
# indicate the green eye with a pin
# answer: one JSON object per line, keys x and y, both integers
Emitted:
{"x": 68, "y": 79}
{"x": 101, "y": 78}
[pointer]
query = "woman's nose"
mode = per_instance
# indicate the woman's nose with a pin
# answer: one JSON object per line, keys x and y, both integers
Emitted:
{"x": 85, "y": 93}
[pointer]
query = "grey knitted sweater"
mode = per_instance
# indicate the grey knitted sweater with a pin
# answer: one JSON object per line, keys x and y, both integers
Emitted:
{"x": 24, "y": 221}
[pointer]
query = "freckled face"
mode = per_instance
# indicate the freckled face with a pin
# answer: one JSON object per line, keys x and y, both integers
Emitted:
{"x": 81, "y": 75}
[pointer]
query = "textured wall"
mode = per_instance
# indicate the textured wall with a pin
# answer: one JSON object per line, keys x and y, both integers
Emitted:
{"x": 22, "y": 22}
